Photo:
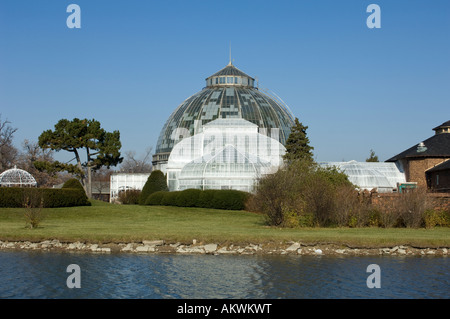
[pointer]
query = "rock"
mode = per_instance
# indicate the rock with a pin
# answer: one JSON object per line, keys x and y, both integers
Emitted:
{"x": 94, "y": 247}
{"x": 299, "y": 251}
{"x": 401, "y": 251}
{"x": 293, "y": 247}
{"x": 430, "y": 252}
{"x": 142, "y": 249}
{"x": 128, "y": 247}
{"x": 318, "y": 251}
{"x": 106, "y": 250}
{"x": 72, "y": 246}
{"x": 253, "y": 247}
{"x": 194, "y": 250}
{"x": 224, "y": 250}
{"x": 444, "y": 251}
{"x": 340, "y": 251}
{"x": 210, "y": 248}
{"x": 164, "y": 249}
{"x": 153, "y": 242}
{"x": 194, "y": 241}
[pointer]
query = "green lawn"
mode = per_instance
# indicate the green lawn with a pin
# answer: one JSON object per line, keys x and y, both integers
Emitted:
{"x": 103, "y": 222}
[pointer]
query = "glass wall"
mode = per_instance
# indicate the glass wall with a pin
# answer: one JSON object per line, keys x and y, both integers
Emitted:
{"x": 230, "y": 153}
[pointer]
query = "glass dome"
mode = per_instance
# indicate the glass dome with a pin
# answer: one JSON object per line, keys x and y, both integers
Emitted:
{"x": 229, "y": 93}
{"x": 16, "y": 177}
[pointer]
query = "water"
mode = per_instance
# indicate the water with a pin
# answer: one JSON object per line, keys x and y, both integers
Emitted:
{"x": 132, "y": 276}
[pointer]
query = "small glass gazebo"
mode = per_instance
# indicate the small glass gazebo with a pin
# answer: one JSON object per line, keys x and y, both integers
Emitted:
{"x": 16, "y": 177}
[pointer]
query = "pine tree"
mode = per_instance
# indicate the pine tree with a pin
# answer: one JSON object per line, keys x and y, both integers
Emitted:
{"x": 372, "y": 157}
{"x": 297, "y": 144}
{"x": 102, "y": 148}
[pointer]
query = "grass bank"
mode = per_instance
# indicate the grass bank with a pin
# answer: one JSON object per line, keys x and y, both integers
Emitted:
{"x": 103, "y": 223}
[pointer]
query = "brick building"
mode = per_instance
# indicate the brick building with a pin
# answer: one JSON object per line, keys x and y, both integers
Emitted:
{"x": 438, "y": 177}
{"x": 426, "y": 160}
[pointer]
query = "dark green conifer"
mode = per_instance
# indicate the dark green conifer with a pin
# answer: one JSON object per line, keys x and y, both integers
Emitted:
{"x": 297, "y": 144}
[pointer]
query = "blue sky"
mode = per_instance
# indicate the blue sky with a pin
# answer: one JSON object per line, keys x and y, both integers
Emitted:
{"x": 133, "y": 62}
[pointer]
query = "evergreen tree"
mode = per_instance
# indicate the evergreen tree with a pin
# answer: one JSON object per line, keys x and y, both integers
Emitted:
{"x": 155, "y": 182}
{"x": 372, "y": 157}
{"x": 102, "y": 148}
{"x": 297, "y": 144}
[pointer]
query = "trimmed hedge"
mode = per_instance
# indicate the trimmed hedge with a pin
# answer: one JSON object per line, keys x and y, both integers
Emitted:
{"x": 211, "y": 198}
{"x": 155, "y": 182}
{"x": 73, "y": 183}
{"x": 51, "y": 197}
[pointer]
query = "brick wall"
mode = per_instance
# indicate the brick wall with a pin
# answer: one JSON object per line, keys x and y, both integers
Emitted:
{"x": 441, "y": 201}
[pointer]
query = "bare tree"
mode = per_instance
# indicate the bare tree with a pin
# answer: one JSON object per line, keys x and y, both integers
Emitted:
{"x": 134, "y": 164}
{"x": 100, "y": 182}
{"x": 32, "y": 152}
{"x": 8, "y": 153}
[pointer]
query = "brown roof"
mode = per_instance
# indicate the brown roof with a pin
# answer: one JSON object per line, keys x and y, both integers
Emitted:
{"x": 441, "y": 167}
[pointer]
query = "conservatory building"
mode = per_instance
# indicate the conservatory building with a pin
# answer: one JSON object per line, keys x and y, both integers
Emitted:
{"x": 380, "y": 176}
{"x": 228, "y": 154}
{"x": 224, "y": 137}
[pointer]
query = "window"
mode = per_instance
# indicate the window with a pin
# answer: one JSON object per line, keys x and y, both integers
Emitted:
{"x": 437, "y": 179}
{"x": 229, "y": 79}
{"x": 222, "y": 80}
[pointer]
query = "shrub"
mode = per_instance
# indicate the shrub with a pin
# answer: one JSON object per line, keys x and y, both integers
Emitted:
{"x": 155, "y": 182}
{"x": 11, "y": 196}
{"x": 50, "y": 197}
{"x": 188, "y": 198}
{"x": 130, "y": 197}
{"x": 229, "y": 199}
{"x": 412, "y": 206}
{"x": 434, "y": 218}
{"x": 217, "y": 199}
{"x": 205, "y": 198}
{"x": 33, "y": 204}
{"x": 73, "y": 183}
{"x": 53, "y": 197}
{"x": 302, "y": 189}
{"x": 275, "y": 195}
{"x": 374, "y": 217}
{"x": 389, "y": 214}
{"x": 155, "y": 198}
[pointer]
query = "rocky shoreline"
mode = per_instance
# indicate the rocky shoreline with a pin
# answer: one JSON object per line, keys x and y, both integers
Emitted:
{"x": 160, "y": 246}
